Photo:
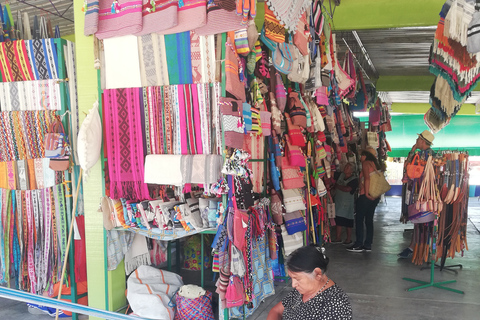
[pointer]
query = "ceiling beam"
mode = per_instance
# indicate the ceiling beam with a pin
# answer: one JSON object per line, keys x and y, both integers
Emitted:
{"x": 384, "y": 14}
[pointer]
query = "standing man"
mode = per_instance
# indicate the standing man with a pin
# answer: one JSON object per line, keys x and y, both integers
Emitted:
{"x": 423, "y": 143}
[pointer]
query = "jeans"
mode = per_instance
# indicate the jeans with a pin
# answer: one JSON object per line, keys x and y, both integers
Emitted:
{"x": 365, "y": 212}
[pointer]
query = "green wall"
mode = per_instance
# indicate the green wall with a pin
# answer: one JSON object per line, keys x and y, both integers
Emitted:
{"x": 463, "y": 133}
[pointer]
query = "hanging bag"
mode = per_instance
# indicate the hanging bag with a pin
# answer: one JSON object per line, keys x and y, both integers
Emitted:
{"x": 415, "y": 169}
{"x": 378, "y": 184}
{"x": 56, "y": 141}
{"x": 291, "y": 176}
{"x": 295, "y": 222}
{"x": 235, "y": 294}
{"x": 283, "y": 57}
{"x": 295, "y": 134}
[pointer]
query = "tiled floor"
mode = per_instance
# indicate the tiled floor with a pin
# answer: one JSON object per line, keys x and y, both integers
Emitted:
{"x": 374, "y": 281}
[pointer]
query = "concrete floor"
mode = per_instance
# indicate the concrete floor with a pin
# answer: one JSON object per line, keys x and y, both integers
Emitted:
{"x": 374, "y": 281}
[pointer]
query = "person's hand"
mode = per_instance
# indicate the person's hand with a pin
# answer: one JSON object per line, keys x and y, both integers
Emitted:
{"x": 370, "y": 197}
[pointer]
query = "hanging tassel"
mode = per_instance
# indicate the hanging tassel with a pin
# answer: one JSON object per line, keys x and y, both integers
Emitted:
{"x": 153, "y": 8}
{"x": 115, "y": 7}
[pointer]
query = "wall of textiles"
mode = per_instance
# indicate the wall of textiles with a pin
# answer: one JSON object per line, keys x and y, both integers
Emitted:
{"x": 35, "y": 200}
{"x": 279, "y": 106}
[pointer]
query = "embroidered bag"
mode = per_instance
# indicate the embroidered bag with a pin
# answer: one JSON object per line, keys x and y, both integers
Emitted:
{"x": 283, "y": 57}
{"x": 295, "y": 222}
{"x": 265, "y": 118}
{"x": 270, "y": 44}
{"x": 56, "y": 141}
{"x": 291, "y": 176}
{"x": 296, "y": 111}
{"x": 291, "y": 242}
{"x": 294, "y": 133}
{"x": 300, "y": 68}
{"x": 276, "y": 207}
{"x": 273, "y": 29}
{"x": 293, "y": 200}
{"x": 302, "y": 35}
{"x": 276, "y": 115}
{"x": 280, "y": 92}
{"x": 237, "y": 263}
{"x": 294, "y": 155}
{"x": 235, "y": 294}
{"x": 189, "y": 307}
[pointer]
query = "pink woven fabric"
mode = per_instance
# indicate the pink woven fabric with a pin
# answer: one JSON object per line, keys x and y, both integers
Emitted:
{"x": 163, "y": 18}
{"x": 220, "y": 20}
{"x": 124, "y": 139}
{"x": 128, "y": 19}
{"x": 192, "y": 15}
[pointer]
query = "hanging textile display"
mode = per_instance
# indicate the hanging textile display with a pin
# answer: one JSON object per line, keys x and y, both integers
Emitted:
{"x": 32, "y": 221}
{"x": 456, "y": 69}
{"x": 25, "y": 141}
{"x": 125, "y": 143}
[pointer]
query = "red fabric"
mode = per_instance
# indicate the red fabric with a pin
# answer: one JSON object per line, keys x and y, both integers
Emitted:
{"x": 80, "y": 252}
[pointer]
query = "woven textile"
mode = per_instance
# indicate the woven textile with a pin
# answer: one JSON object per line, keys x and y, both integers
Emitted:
{"x": 118, "y": 73}
{"x": 125, "y": 143}
{"x": 221, "y": 17}
{"x": 192, "y": 14}
{"x": 36, "y": 54}
{"x": 161, "y": 16}
{"x": 196, "y": 54}
{"x": 288, "y": 11}
{"x": 14, "y": 62}
{"x": 31, "y": 95}
{"x": 153, "y": 60}
{"x": 273, "y": 29}
{"x": 127, "y": 18}
{"x": 207, "y": 58}
{"x": 199, "y": 308}
{"x": 91, "y": 17}
{"x": 179, "y": 59}
{"x": 262, "y": 274}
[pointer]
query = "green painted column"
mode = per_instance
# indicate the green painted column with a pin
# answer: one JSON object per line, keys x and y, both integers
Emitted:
{"x": 106, "y": 290}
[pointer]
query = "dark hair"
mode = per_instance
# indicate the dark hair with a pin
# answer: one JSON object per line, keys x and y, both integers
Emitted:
{"x": 371, "y": 157}
{"x": 306, "y": 259}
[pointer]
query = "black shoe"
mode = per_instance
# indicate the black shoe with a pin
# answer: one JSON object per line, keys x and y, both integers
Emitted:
{"x": 367, "y": 249}
{"x": 355, "y": 249}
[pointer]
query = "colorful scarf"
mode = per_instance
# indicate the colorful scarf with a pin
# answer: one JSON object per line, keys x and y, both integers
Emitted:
{"x": 14, "y": 63}
{"x": 179, "y": 58}
{"x": 125, "y": 143}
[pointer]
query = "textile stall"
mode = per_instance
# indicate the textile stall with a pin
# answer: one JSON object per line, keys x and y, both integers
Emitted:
{"x": 219, "y": 128}
{"x": 37, "y": 92}
{"x": 438, "y": 206}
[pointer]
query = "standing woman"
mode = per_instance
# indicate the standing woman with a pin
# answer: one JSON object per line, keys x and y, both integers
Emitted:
{"x": 314, "y": 296}
{"x": 365, "y": 204}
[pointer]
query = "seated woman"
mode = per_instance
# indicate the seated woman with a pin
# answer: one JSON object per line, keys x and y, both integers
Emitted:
{"x": 314, "y": 295}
